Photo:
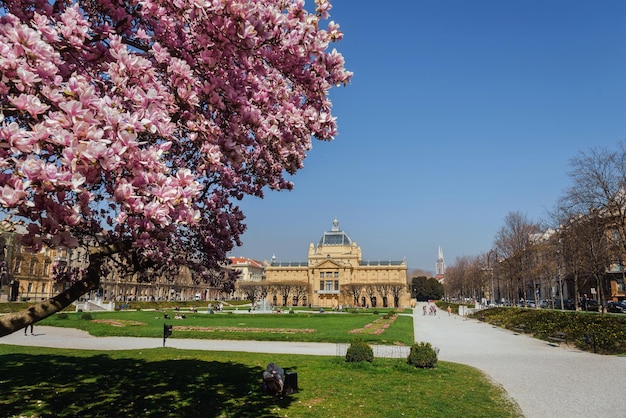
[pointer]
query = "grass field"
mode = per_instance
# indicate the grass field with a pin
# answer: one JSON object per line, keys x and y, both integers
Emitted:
{"x": 165, "y": 382}
{"x": 311, "y": 327}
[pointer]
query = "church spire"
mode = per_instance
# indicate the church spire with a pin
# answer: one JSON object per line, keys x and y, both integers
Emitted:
{"x": 440, "y": 267}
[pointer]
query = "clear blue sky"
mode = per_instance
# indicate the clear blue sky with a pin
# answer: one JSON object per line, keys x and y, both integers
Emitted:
{"x": 459, "y": 112}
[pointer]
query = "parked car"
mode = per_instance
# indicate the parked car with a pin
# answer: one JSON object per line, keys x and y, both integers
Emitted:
{"x": 592, "y": 305}
{"x": 567, "y": 304}
{"x": 616, "y": 307}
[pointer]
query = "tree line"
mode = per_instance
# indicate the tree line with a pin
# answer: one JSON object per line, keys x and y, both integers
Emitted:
{"x": 576, "y": 252}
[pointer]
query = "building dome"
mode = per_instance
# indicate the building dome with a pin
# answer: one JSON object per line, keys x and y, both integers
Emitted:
{"x": 335, "y": 237}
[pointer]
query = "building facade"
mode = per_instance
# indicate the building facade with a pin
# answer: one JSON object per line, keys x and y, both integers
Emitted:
{"x": 27, "y": 276}
{"x": 250, "y": 271}
{"x": 335, "y": 274}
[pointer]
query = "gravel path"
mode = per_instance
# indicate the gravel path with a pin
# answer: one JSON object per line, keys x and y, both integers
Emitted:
{"x": 546, "y": 381}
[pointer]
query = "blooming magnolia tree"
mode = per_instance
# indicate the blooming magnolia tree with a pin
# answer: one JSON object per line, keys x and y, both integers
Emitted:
{"x": 132, "y": 127}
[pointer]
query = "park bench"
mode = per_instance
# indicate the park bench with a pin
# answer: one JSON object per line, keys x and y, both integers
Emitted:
{"x": 558, "y": 338}
{"x": 520, "y": 329}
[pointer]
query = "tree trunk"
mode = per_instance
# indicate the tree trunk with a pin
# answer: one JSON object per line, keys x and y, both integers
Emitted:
{"x": 90, "y": 281}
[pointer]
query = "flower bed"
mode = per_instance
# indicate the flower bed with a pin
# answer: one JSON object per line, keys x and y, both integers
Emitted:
{"x": 377, "y": 327}
{"x": 238, "y": 329}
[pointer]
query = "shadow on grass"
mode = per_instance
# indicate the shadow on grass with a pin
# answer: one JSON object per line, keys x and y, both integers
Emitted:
{"x": 63, "y": 386}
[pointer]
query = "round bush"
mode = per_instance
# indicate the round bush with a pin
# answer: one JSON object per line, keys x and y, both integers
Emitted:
{"x": 62, "y": 315}
{"x": 359, "y": 351}
{"x": 86, "y": 316}
{"x": 423, "y": 355}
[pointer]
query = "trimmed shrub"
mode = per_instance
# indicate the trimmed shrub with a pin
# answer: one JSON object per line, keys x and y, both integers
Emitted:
{"x": 62, "y": 315}
{"x": 86, "y": 316}
{"x": 606, "y": 333}
{"x": 423, "y": 355}
{"x": 359, "y": 351}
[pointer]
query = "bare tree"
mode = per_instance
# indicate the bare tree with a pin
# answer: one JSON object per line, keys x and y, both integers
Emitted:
{"x": 595, "y": 205}
{"x": 285, "y": 289}
{"x": 299, "y": 292}
{"x": 353, "y": 290}
{"x": 599, "y": 180}
{"x": 587, "y": 250}
{"x": 465, "y": 279}
{"x": 417, "y": 273}
{"x": 384, "y": 290}
{"x": 455, "y": 278}
{"x": 396, "y": 290}
{"x": 514, "y": 242}
{"x": 370, "y": 291}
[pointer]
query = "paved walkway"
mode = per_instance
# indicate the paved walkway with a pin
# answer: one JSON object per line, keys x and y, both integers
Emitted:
{"x": 546, "y": 381}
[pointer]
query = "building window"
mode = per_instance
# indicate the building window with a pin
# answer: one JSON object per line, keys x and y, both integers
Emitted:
{"x": 329, "y": 285}
{"x": 329, "y": 274}
{"x": 321, "y": 274}
{"x": 321, "y": 284}
{"x": 336, "y": 274}
{"x": 336, "y": 284}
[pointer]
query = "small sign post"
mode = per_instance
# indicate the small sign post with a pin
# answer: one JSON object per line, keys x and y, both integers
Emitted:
{"x": 167, "y": 331}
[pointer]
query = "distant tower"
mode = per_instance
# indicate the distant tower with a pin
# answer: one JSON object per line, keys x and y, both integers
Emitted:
{"x": 440, "y": 267}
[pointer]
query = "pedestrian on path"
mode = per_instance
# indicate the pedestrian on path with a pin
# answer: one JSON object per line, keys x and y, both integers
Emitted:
{"x": 31, "y": 329}
{"x": 449, "y": 310}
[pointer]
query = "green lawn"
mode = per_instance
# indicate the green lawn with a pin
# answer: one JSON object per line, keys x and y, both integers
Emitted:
{"x": 312, "y": 327}
{"x": 165, "y": 382}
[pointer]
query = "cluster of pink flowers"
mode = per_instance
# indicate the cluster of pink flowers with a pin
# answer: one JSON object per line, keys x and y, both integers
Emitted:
{"x": 137, "y": 117}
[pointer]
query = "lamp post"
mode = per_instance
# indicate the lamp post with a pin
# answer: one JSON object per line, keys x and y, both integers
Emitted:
{"x": 491, "y": 271}
{"x": 558, "y": 271}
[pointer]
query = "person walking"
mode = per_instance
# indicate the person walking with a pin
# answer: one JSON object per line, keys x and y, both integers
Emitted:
{"x": 449, "y": 310}
{"x": 31, "y": 329}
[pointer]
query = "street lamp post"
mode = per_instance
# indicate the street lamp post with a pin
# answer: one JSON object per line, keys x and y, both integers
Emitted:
{"x": 491, "y": 271}
{"x": 558, "y": 271}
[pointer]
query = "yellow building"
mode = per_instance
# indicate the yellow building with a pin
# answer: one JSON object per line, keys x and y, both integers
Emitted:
{"x": 336, "y": 275}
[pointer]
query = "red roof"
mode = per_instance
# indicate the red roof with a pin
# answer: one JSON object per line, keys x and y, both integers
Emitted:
{"x": 237, "y": 261}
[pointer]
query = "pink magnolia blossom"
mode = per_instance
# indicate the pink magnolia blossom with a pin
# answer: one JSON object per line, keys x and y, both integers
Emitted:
{"x": 152, "y": 118}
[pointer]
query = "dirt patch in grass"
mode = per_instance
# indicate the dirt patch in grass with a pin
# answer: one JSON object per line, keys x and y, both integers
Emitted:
{"x": 377, "y": 327}
{"x": 237, "y": 329}
{"x": 119, "y": 322}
